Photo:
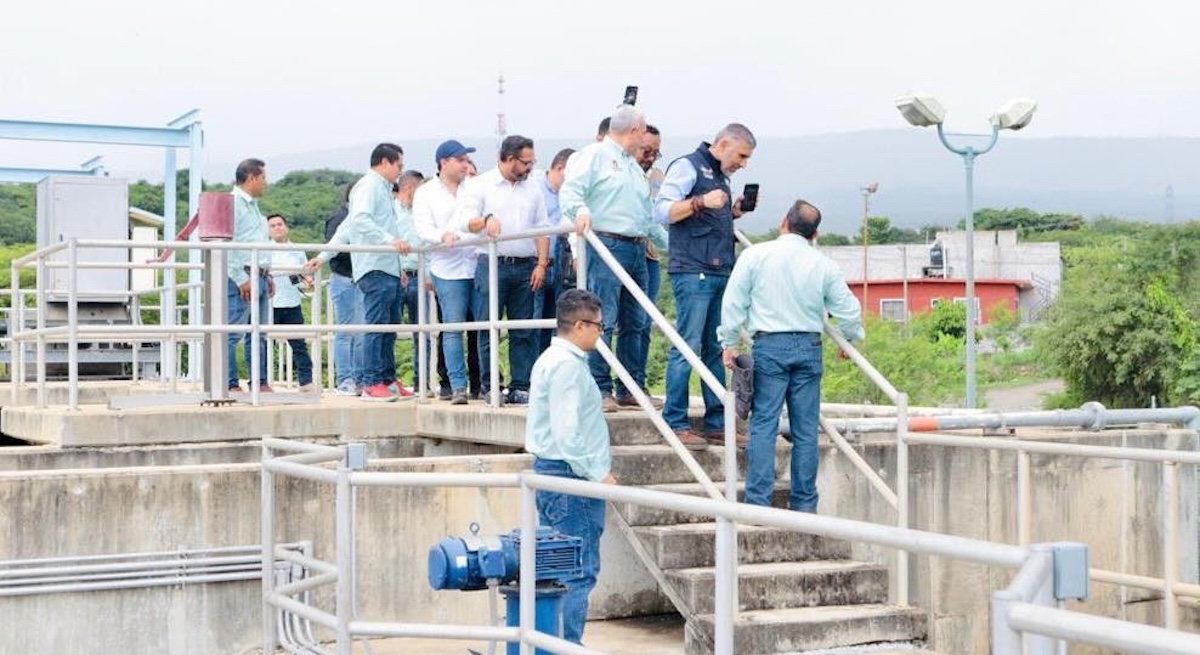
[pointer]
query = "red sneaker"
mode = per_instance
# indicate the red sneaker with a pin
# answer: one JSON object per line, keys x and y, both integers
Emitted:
{"x": 398, "y": 388}
{"x": 379, "y": 393}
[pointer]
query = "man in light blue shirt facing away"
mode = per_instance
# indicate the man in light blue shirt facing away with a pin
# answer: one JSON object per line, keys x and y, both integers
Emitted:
{"x": 571, "y": 442}
{"x": 607, "y": 191}
{"x": 780, "y": 292}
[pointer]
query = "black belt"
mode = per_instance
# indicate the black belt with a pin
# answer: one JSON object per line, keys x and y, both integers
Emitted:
{"x": 770, "y": 334}
{"x": 621, "y": 237}
{"x": 501, "y": 259}
{"x": 411, "y": 272}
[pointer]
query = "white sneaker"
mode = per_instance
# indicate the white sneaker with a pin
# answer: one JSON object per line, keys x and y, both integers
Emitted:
{"x": 309, "y": 388}
{"x": 348, "y": 388}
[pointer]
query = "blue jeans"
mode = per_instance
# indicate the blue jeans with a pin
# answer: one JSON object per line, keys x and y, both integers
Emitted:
{"x": 300, "y": 356}
{"x": 787, "y": 367}
{"x": 347, "y": 310}
{"x": 238, "y": 313}
{"x": 698, "y": 314}
{"x": 577, "y": 516}
{"x": 653, "y": 283}
{"x": 454, "y": 297}
{"x": 515, "y": 299}
{"x": 622, "y": 313}
{"x": 410, "y": 294}
{"x": 381, "y": 306}
{"x": 545, "y": 305}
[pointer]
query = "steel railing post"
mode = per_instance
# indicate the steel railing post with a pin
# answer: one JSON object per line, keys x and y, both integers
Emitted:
{"x": 319, "y": 334}
{"x": 254, "y": 347}
{"x": 902, "y": 502}
{"x": 527, "y": 569}
{"x": 217, "y": 308}
{"x": 493, "y": 325}
{"x": 1024, "y": 498}
{"x": 344, "y": 537}
{"x": 73, "y": 323}
{"x": 40, "y": 299}
{"x": 1170, "y": 545}
{"x": 267, "y": 533}
{"x": 422, "y": 356}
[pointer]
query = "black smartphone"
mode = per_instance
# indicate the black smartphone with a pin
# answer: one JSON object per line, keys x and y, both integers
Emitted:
{"x": 630, "y": 96}
{"x": 749, "y": 198}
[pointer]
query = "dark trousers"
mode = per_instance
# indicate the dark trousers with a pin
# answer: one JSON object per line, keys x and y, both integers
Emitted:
{"x": 300, "y": 356}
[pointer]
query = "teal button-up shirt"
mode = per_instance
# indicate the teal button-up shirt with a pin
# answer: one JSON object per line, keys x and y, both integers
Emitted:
{"x": 249, "y": 226}
{"x": 407, "y": 230}
{"x": 576, "y": 431}
{"x": 371, "y": 221}
{"x": 786, "y": 285}
{"x": 606, "y": 183}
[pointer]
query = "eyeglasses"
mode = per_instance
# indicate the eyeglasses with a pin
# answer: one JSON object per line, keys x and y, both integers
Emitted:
{"x": 655, "y": 153}
{"x": 599, "y": 325}
{"x": 527, "y": 164}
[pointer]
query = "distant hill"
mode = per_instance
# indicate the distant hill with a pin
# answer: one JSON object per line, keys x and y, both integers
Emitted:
{"x": 920, "y": 182}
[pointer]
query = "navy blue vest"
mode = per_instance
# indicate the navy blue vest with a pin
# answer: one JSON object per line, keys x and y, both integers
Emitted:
{"x": 703, "y": 243}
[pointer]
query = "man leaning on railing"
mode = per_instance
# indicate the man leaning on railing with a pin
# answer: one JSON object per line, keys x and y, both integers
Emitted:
{"x": 780, "y": 292}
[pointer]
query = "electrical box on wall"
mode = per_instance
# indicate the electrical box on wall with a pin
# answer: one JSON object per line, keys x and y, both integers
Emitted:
{"x": 85, "y": 208}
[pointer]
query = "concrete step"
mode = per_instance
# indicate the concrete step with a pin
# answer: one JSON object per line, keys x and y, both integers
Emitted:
{"x": 655, "y": 465}
{"x": 787, "y": 584}
{"x": 639, "y": 515}
{"x": 809, "y": 628}
{"x": 691, "y": 545}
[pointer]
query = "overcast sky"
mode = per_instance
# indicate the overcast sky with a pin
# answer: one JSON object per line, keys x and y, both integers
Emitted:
{"x": 274, "y": 77}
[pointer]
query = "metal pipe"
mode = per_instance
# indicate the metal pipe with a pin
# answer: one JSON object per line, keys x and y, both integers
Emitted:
{"x": 1091, "y": 416}
{"x": 72, "y": 324}
{"x": 255, "y": 350}
{"x": 481, "y": 480}
{"x": 301, "y": 471}
{"x": 267, "y": 535}
{"x": 726, "y": 587}
{"x": 306, "y": 584}
{"x": 1170, "y": 519}
{"x": 42, "y": 399}
{"x": 317, "y": 349}
{"x": 434, "y": 631}
{"x": 528, "y": 554}
{"x": 109, "y": 585}
{"x": 21, "y": 571}
{"x": 1184, "y": 589}
{"x": 345, "y": 561}
{"x": 902, "y": 501}
{"x": 288, "y": 445}
{"x": 493, "y": 328}
{"x": 423, "y": 383}
{"x": 1109, "y": 634}
{"x": 1056, "y": 448}
{"x": 301, "y": 609}
{"x": 217, "y": 343}
{"x": 919, "y": 541}
{"x": 1024, "y": 499}
{"x": 555, "y": 645}
{"x": 306, "y": 561}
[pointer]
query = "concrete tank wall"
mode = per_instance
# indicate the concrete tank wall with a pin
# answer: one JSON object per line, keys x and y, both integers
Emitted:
{"x": 958, "y": 491}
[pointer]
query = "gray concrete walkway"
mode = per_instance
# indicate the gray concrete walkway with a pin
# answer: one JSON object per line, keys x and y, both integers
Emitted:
{"x": 651, "y": 635}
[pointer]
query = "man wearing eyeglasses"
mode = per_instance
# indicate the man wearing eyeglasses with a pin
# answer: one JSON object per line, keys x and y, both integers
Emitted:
{"x": 504, "y": 199}
{"x": 695, "y": 202}
{"x": 571, "y": 441}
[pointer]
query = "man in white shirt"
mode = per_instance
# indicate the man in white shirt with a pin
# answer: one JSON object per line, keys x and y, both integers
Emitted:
{"x": 286, "y": 265}
{"x": 453, "y": 267}
{"x": 505, "y": 199}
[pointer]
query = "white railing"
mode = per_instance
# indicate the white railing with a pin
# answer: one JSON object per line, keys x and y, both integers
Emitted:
{"x": 1015, "y": 610}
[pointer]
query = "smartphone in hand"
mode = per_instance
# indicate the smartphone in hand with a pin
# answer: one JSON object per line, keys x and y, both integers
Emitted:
{"x": 749, "y": 198}
{"x": 630, "y": 95}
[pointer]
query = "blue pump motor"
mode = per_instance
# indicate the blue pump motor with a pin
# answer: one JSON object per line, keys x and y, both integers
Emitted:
{"x": 471, "y": 563}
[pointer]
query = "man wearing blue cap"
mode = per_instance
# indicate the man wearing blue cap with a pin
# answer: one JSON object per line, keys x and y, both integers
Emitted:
{"x": 453, "y": 268}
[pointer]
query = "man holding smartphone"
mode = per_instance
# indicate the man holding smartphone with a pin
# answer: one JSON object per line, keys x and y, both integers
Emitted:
{"x": 695, "y": 202}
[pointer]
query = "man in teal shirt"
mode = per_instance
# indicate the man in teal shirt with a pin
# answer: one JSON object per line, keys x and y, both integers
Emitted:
{"x": 571, "y": 442}
{"x": 780, "y": 292}
{"x": 372, "y": 221}
{"x": 249, "y": 226}
{"x": 606, "y": 191}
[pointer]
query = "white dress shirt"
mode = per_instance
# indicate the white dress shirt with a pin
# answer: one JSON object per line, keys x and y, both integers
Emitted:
{"x": 434, "y": 206}
{"x": 519, "y": 207}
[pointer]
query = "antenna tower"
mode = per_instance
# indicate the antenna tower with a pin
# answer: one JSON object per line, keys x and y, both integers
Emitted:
{"x": 501, "y": 121}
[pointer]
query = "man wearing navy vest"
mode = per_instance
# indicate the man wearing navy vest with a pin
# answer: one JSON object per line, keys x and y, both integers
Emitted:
{"x": 695, "y": 202}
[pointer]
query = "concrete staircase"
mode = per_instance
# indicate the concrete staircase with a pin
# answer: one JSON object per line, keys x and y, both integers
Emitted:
{"x": 797, "y": 593}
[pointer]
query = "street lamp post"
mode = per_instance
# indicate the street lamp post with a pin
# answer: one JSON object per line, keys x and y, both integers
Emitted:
{"x": 924, "y": 111}
{"x": 866, "y": 238}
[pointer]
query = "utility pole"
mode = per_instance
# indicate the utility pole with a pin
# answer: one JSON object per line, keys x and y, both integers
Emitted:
{"x": 501, "y": 120}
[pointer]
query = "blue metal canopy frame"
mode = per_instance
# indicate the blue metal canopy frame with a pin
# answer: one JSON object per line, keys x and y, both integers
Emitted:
{"x": 185, "y": 131}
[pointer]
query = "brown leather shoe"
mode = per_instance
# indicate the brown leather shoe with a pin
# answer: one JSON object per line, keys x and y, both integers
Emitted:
{"x": 717, "y": 438}
{"x": 610, "y": 404}
{"x": 691, "y": 440}
{"x": 630, "y": 401}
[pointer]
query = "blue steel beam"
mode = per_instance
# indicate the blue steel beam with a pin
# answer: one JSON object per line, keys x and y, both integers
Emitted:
{"x": 93, "y": 166}
{"x": 79, "y": 133}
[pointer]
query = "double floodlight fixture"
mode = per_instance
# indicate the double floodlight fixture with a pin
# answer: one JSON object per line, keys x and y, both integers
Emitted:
{"x": 924, "y": 110}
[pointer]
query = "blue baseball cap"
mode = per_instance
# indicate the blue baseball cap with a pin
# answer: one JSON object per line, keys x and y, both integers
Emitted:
{"x": 451, "y": 148}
